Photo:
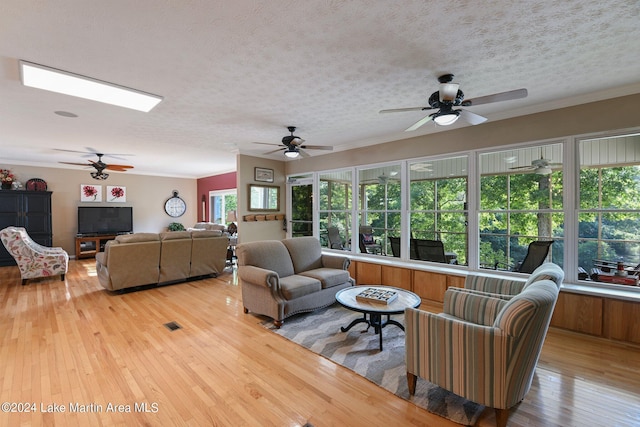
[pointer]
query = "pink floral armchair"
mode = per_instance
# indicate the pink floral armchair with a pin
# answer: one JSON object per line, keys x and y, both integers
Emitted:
{"x": 34, "y": 260}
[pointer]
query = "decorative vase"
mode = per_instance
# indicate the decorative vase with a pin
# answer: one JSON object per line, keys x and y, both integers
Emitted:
{"x": 7, "y": 185}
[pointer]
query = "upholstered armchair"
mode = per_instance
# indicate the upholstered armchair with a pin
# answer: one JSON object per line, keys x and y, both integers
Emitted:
{"x": 483, "y": 348}
{"x": 33, "y": 259}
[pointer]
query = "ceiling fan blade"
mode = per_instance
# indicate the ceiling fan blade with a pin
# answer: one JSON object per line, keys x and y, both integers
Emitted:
{"x": 122, "y": 168}
{"x": 473, "y": 118}
{"x": 76, "y": 164}
{"x": 496, "y": 97}
{"x": 316, "y": 147}
{"x": 303, "y": 153}
{"x": 523, "y": 167}
{"x": 111, "y": 165}
{"x": 418, "y": 124}
{"x": 400, "y": 110}
{"x": 274, "y": 151}
{"x": 268, "y": 143}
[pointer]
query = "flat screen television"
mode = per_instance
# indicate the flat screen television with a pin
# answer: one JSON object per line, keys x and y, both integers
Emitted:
{"x": 97, "y": 220}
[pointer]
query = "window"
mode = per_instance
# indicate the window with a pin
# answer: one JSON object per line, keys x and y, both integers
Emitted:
{"x": 520, "y": 202}
{"x": 335, "y": 209}
{"x": 438, "y": 207}
{"x": 609, "y": 207}
{"x": 379, "y": 203}
{"x": 220, "y": 203}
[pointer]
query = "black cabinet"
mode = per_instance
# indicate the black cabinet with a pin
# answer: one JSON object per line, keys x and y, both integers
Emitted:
{"x": 28, "y": 209}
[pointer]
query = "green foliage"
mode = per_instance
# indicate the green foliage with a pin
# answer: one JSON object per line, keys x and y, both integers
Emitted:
{"x": 176, "y": 226}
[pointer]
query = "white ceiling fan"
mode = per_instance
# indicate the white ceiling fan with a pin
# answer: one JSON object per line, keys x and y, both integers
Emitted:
{"x": 539, "y": 166}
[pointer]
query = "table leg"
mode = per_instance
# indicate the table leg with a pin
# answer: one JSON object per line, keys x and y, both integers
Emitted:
{"x": 362, "y": 319}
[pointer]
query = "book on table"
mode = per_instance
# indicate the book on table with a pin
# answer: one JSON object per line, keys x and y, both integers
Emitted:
{"x": 378, "y": 296}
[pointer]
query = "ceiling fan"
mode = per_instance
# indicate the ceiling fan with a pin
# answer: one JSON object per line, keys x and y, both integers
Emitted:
{"x": 539, "y": 166}
{"x": 100, "y": 166}
{"x": 293, "y": 145}
{"x": 448, "y": 96}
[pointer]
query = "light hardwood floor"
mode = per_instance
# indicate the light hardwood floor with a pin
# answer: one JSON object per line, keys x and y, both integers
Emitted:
{"x": 72, "y": 343}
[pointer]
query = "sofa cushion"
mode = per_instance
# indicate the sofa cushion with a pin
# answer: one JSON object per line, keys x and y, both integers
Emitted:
{"x": 328, "y": 277}
{"x": 205, "y": 234}
{"x": 296, "y": 286}
{"x": 268, "y": 254}
{"x": 138, "y": 237}
{"x": 174, "y": 235}
{"x": 305, "y": 253}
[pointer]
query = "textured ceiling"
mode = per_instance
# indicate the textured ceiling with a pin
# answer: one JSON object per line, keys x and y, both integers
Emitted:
{"x": 235, "y": 73}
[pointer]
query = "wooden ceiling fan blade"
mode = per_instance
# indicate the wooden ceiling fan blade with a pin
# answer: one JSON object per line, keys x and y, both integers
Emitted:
{"x": 418, "y": 124}
{"x": 473, "y": 118}
{"x": 496, "y": 97}
{"x": 118, "y": 168}
{"x": 401, "y": 110}
{"x": 111, "y": 165}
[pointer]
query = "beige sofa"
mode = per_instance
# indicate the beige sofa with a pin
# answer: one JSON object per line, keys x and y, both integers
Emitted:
{"x": 280, "y": 278}
{"x": 159, "y": 258}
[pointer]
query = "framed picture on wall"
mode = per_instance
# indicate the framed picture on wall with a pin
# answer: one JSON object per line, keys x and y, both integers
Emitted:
{"x": 116, "y": 194}
{"x": 263, "y": 175}
{"x": 90, "y": 193}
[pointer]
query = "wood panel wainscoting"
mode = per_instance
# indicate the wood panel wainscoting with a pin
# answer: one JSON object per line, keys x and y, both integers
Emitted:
{"x": 594, "y": 315}
{"x": 108, "y": 359}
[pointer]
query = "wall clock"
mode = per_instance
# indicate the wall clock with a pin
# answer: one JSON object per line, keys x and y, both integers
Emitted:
{"x": 175, "y": 206}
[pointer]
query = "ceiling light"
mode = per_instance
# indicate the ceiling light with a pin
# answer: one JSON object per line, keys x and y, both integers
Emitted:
{"x": 99, "y": 175}
{"x": 543, "y": 170}
{"x": 292, "y": 152}
{"x": 447, "y": 118}
{"x": 41, "y": 77}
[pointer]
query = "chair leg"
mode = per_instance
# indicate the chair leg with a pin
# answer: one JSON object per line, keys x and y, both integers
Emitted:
{"x": 24, "y": 281}
{"x": 411, "y": 383}
{"x": 62, "y": 277}
{"x": 277, "y": 323}
{"x": 501, "y": 417}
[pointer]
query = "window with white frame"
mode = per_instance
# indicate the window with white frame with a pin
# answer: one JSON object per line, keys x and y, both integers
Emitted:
{"x": 521, "y": 201}
{"x": 221, "y": 203}
{"x": 335, "y": 209}
{"x": 379, "y": 204}
{"x": 609, "y": 210}
{"x": 438, "y": 209}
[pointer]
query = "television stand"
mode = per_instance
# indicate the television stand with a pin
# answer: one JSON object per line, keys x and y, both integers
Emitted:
{"x": 89, "y": 246}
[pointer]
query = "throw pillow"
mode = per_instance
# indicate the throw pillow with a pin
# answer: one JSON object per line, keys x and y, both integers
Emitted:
{"x": 367, "y": 239}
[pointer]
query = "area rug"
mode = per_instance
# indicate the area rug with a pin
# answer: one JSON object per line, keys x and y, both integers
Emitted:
{"x": 359, "y": 351}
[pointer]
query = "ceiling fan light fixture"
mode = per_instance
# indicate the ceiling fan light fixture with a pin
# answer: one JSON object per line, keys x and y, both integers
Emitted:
{"x": 53, "y": 80}
{"x": 446, "y": 119}
{"x": 292, "y": 152}
{"x": 99, "y": 175}
{"x": 543, "y": 170}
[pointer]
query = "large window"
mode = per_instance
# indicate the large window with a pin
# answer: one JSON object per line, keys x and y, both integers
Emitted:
{"x": 521, "y": 201}
{"x": 379, "y": 202}
{"x": 335, "y": 209}
{"x": 609, "y": 208}
{"x": 489, "y": 209}
{"x": 438, "y": 207}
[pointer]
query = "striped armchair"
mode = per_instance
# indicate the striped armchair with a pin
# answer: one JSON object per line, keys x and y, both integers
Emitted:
{"x": 33, "y": 259}
{"x": 483, "y": 348}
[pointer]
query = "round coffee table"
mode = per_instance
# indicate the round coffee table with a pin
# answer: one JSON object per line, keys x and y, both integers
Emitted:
{"x": 375, "y": 310}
